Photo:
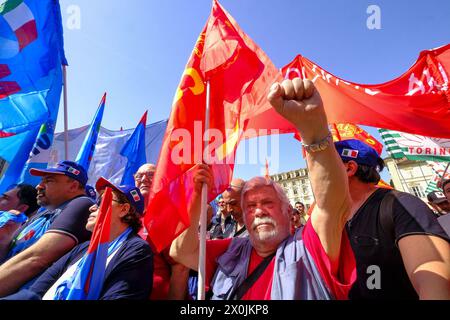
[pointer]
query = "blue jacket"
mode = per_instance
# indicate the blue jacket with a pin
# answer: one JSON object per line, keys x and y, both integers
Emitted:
{"x": 129, "y": 275}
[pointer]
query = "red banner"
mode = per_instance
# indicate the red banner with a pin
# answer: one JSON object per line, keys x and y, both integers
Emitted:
{"x": 416, "y": 102}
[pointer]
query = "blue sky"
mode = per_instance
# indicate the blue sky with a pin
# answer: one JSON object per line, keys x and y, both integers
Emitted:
{"x": 136, "y": 51}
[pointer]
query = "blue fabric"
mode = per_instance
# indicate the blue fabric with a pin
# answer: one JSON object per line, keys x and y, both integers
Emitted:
{"x": 295, "y": 274}
{"x": 34, "y": 71}
{"x": 6, "y": 216}
{"x": 134, "y": 151}
{"x": 87, "y": 149}
{"x": 357, "y": 151}
{"x": 129, "y": 274}
{"x": 88, "y": 278}
{"x": 69, "y": 168}
{"x": 33, "y": 231}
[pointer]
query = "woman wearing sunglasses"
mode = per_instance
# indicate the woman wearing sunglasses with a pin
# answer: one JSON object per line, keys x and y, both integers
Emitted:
{"x": 129, "y": 265}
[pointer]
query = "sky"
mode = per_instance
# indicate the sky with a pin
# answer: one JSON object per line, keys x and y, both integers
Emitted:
{"x": 136, "y": 51}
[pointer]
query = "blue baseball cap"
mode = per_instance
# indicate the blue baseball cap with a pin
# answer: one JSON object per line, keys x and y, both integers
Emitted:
{"x": 357, "y": 151}
{"x": 132, "y": 193}
{"x": 68, "y": 168}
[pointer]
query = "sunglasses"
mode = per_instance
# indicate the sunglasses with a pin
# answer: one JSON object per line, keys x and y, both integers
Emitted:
{"x": 99, "y": 201}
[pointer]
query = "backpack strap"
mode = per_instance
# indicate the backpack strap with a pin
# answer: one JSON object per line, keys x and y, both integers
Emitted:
{"x": 251, "y": 279}
{"x": 386, "y": 215}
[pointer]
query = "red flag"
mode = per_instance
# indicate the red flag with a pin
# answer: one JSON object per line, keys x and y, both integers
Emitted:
{"x": 345, "y": 131}
{"x": 240, "y": 75}
{"x": 417, "y": 102}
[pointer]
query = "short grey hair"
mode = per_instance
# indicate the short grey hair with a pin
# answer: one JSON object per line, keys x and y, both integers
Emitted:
{"x": 258, "y": 182}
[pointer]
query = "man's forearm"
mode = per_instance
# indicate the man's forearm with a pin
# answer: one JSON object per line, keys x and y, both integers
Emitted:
{"x": 17, "y": 271}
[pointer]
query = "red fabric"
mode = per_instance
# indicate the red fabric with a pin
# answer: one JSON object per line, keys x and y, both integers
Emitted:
{"x": 345, "y": 131}
{"x": 262, "y": 288}
{"x": 102, "y": 227}
{"x": 340, "y": 283}
{"x": 161, "y": 278}
{"x": 240, "y": 75}
{"x": 417, "y": 102}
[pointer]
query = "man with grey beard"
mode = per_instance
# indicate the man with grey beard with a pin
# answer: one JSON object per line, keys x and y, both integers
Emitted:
{"x": 314, "y": 263}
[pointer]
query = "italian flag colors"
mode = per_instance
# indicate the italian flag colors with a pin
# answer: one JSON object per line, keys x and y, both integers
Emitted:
{"x": 21, "y": 20}
{"x": 350, "y": 153}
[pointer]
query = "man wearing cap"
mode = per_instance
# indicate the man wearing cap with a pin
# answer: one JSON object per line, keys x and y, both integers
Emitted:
{"x": 16, "y": 206}
{"x": 129, "y": 266}
{"x": 169, "y": 278}
{"x": 438, "y": 202}
{"x": 401, "y": 250}
{"x": 54, "y": 230}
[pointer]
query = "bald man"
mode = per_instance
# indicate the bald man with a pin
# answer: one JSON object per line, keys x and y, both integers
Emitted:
{"x": 232, "y": 199}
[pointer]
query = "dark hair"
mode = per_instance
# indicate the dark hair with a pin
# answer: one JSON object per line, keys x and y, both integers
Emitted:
{"x": 27, "y": 195}
{"x": 132, "y": 218}
{"x": 298, "y": 202}
{"x": 369, "y": 174}
{"x": 295, "y": 211}
{"x": 446, "y": 181}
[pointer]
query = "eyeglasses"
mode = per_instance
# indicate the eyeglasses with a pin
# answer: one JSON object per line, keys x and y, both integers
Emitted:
{"x": 99, "y": 201}
{"x": 139, "y": 176}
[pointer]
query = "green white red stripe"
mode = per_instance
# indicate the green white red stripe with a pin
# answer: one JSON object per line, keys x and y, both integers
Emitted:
{"x": 21, "y": 20}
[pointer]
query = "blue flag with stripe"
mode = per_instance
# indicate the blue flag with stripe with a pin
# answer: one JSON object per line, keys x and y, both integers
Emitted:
{"x": 31, "y": 55}
{"x": 134, "y": 151}
{"x": 87, "y": 149}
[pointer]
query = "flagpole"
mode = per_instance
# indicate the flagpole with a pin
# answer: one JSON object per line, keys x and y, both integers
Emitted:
{"x": 203, "y": 218}
{"x": 401, "y": 177}
{"x": 66, "y": 134}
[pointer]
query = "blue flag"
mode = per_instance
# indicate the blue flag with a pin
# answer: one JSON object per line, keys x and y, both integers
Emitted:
{"x": 86, "y": 152}
{"x": 134, "y": 151}
{"x": 31, "y": 56}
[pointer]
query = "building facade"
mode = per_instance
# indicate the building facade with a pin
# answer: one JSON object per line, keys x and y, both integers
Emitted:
{"x": 297, "y": 186}
{"x": 410, "y": 176}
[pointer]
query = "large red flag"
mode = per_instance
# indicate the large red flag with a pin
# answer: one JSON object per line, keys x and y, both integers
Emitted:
{"x": 240, "y": 75}
{"x": 416, "y": 102}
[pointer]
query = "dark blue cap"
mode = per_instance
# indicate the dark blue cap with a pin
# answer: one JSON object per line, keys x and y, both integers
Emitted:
{"x": 132, "y": 193}
{"x": 357, "y": 151}
{"x": 90, "y": 192}
{"x": 69, "y": 168}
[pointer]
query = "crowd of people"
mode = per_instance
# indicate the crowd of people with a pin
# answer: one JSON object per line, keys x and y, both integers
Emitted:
{"x": 357, "y": 241}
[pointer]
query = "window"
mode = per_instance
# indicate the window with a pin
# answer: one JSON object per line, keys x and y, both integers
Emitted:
{"x": 418, "y": 192}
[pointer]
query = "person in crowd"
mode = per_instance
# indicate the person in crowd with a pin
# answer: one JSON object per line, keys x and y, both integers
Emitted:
{"x": 232, "y": 200}
{"x": 55, "y": 229}
{"x": 17, "y": 205}
{"x": 438, "y": 202}
{"x": 90, "y": 192}
{"x": 317, "y": 261}
{"x": 401, "y": 250}
{"x": 445, "y": 186}
{"x": 300, "y": 207}
{"x": 224, "y": 225}
{"x": 129, "y": 267}
{"x": 296, "y": 221}
{"x": 170, "y": 279}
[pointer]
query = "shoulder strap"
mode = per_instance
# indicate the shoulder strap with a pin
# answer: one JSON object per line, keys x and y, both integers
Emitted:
{"x": 251, "y": 279}
{"x": 386, "y": 217}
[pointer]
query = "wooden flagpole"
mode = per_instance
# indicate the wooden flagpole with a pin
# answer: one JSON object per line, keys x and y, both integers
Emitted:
{"x": 203, "y": 217}
{"x": 66, "y": 134}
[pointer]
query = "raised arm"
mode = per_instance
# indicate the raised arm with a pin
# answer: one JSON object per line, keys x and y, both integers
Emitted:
{"x": 299, "y": 102}
{"x": 184, "y": 249}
